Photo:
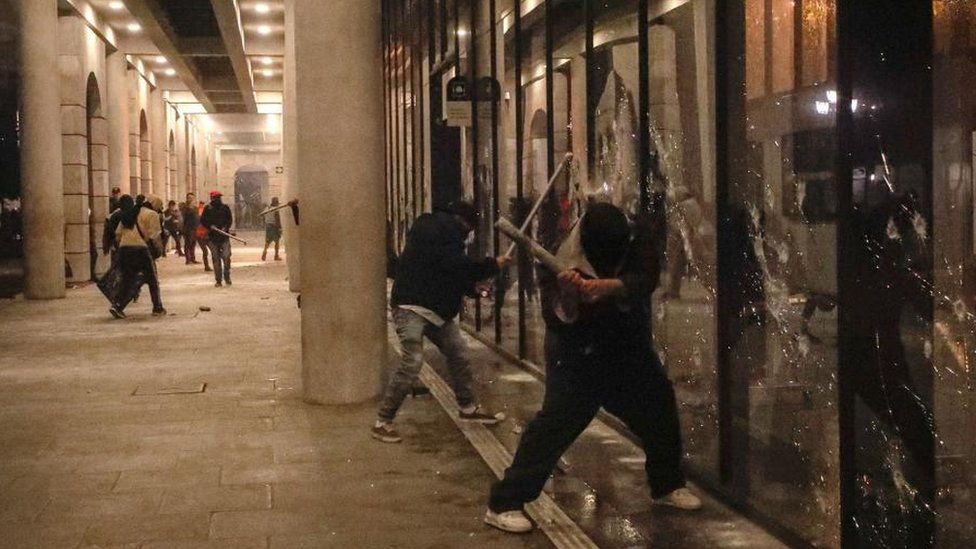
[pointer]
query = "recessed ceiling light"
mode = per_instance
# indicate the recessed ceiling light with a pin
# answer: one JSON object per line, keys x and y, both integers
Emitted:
{"x": 116, "y": 5}
{"x": 160, "y": 60}
{"x": 262, "y": 8}
{"x": 267, "y": 61}
{"x": 268, "y": 72}
{"x": 264, "y": 29}
{"x": 170, "y": 72}
{"x": 134, "y": 27}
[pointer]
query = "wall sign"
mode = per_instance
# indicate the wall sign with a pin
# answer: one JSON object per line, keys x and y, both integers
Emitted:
{"x": 458, "y": 105}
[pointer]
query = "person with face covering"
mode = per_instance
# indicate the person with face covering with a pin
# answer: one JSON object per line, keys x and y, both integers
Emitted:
{"x": 434, "y": 274}
{"x": 599, "y": 354}
{"x": 217, "y": 215}
{"x": 138, "y": 233}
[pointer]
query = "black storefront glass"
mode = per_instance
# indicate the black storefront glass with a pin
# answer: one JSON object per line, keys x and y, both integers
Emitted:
{"x": 813, "y": 161}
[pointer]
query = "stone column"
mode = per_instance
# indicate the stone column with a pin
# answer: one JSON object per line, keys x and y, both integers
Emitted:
{"x": 157, "y": 129}
{"x": 118, "y": 122}
{"x": 42, "y": 183}
{"x": 340, "y": 117}
{"x": 289, "y": 146}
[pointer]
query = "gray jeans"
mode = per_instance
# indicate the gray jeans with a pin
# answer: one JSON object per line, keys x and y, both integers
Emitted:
{"x": 411, "y": 329}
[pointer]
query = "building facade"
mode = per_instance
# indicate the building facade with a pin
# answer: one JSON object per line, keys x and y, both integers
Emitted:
{"x": 811, "y": 161}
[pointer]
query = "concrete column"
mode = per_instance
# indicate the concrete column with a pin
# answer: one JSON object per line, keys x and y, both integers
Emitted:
{"x": 157, "y": 129}
{"x": 42, "y": 183}
{"x": 340, "y": 117}
{"x": 289, "y": 146}
{"x": 118, "y": 122}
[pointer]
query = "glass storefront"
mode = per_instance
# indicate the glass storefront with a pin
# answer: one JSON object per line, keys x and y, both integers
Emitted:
{"x": 811, "y": 164}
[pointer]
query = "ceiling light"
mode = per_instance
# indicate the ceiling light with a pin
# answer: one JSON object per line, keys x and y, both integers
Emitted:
{"x": 134, "y": 27}
{"x": 264, "y": 29}
{"x": 160, "y": 60}
{"x": 267, "y": 61}
{"x": 268, "y": 73}
{"x": 116, "y": 5}
{"x": 262, "y": 8}
{"x": 170, "y": 72}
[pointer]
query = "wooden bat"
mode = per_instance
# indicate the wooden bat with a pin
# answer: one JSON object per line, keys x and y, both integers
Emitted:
{"x": 228, "y": 235}
{"x": 538, "y": 203}
{"x": 534, "y": 248}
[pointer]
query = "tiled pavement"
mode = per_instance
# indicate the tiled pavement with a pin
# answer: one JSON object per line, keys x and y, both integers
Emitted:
{"x": 85, "y": 463}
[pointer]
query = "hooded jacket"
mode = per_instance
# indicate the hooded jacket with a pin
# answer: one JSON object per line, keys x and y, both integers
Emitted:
{"x": 434, "y": 271}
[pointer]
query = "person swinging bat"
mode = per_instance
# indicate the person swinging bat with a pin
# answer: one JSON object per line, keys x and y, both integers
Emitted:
{"x": 596, "y": 306}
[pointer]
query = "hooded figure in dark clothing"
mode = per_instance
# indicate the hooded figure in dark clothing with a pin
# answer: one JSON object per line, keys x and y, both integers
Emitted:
{"x": 434, "y": 274}
{"x": 599, "y": 354}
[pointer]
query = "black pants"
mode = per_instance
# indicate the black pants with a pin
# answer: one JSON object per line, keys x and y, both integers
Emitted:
{"x": 135, "y": 260}
{"x": 630, "y": 385}
{"x": 220, "y": 253}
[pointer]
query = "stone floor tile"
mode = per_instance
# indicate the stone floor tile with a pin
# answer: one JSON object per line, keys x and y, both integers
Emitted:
{"x": 75, "y": 505}
{"x": 235, "y": 543}
{"x": 234, "y": 524}
{"x": 140, "y": 480}
{"x": 189, "y": 499}
{"x": 143, "y": 528}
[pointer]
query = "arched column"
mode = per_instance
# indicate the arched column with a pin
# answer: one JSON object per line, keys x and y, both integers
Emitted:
{"x": 340, "y": 117}
{"x": 42, "y": 183}
{"x": 118, "y": 122}
{"x": 145, "y": 156}
{"x": 157, "y": 125}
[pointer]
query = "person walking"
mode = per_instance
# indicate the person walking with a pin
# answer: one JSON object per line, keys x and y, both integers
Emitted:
{"x": 217, "y": 218}
{"x": 599, "y": 354}
{"x": 191, "y": 220}
{"x": 272, "y": 231}
{"x": 203, "y": 238}
{"x": 433, "y": 276}
{"x": 139, "y": 234}
{"x": 172, "y": 226}
{"x": 113, "y": 201}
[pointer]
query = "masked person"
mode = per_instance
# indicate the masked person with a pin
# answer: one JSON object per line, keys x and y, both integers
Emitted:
{"x": 433, "y": 276}
{"x": 599, "y": 354}
{"x": 138, "y": 234}
{"x": 217, "y": 218}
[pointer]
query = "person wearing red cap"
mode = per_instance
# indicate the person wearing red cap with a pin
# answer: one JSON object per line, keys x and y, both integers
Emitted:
{"x": 217, "y": 218}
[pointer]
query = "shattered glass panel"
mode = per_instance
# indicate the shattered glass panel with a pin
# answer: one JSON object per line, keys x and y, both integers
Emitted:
{"x": 780, "y": 286}
{"x": 682, "y": 138}
{"x": 954, "y": 337}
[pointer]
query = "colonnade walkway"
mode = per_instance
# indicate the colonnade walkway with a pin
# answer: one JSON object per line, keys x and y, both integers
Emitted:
{"x": 189, "y": 431}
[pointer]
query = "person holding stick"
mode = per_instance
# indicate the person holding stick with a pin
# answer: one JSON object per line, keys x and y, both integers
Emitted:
{"x": 599, "y": 354}
{"x": 272, "y": 231}
{"x": 433, "y": 276}
{"x": 217, "y": 218}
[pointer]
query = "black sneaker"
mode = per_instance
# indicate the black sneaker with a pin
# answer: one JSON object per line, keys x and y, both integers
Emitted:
{"x": 227, "y": 282}
{"x": 478, "y": 415}
{"x": 117, "y": 313}
{"x": 385, "y": 432}
{"x": 159, "y": 312}
{"x": 219, "y": 284}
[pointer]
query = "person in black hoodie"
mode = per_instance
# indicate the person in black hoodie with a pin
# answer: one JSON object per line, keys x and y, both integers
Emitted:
{"x": 217, "y": 215}
{"x": 599, "y": 354}
{"x": 434, "y": 274}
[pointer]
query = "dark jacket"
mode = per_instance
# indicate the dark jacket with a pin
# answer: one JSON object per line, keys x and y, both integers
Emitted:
{"x": 434, "y": 272}
{"x": 191, "y": 219}
{"x": 620, "y": 325}
{"x": 218, "y": 216}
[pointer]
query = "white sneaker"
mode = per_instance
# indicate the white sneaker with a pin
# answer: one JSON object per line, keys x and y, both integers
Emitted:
{"x": 514, "y": 522}
{"x": 682, "y": 498}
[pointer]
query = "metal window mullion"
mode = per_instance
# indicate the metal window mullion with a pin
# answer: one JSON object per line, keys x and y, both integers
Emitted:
{"x": 519, "y": 166}
{"x": 496, "y": 206}
{"x": 644, "y": 102}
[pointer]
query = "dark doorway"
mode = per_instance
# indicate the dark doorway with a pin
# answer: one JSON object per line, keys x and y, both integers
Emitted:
{"x": 250, "y": 191}
{"x": 445, "y": 152}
